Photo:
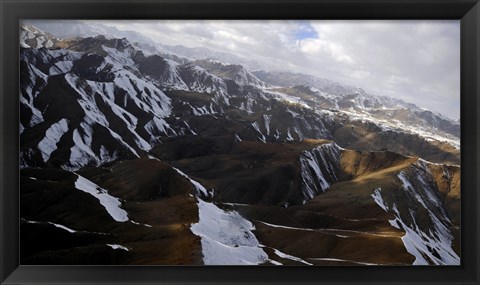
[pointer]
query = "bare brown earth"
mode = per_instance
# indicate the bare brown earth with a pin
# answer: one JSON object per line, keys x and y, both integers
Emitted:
{"x": 343, "y": 226}
{"x": 251, "y": 172}
{"x": 368, "y": 137}
{"x": 449, "y": 188}
{"x": 169, "y": 213}
{"x": 344, "y": 223}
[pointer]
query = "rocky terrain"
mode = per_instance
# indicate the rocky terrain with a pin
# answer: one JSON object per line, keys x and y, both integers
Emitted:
{"x": 133, "y": 155}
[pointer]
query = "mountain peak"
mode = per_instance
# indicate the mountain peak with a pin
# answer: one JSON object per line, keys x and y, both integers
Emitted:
{"x": 31, "y": 36}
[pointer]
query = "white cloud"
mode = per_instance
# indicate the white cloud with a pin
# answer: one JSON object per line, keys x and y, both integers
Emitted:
{"x": 318, "y": 47}
{"x": 418, "y": 61}
{"x": 360, "y": 74}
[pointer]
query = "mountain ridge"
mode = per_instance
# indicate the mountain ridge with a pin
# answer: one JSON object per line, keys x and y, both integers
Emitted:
{"x": 289, "y": 175}
{"x": 181, "y": 53}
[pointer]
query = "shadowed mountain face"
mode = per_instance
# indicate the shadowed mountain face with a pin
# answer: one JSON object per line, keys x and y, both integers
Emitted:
{"x": 134, "y": 157}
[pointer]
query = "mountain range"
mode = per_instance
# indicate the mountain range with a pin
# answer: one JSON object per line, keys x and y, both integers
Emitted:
{"x": 137, "y": 153}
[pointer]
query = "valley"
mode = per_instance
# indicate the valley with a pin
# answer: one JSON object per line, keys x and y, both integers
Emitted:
{"x": 131, "y": 155}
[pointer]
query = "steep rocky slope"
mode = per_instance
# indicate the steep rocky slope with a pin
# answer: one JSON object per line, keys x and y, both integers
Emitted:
{"x": 129, "y": 156}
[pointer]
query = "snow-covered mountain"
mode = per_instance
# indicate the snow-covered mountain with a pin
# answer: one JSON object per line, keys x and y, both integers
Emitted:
{"x": 223, "y": 165}
{"x": 426, "y": 122}
{"x": 384, "y": 111}
{"x": 292, "y": 79}
{"x": 30, "y": 36}
{"x": 238, "y": 73}
{"x": 134, "y": 98}
{"x": 107, "y": 111}
{"x": 71, "y": 29}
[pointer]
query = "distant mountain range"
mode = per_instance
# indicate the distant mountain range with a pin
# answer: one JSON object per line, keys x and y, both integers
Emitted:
{"x": 127, "y": 146}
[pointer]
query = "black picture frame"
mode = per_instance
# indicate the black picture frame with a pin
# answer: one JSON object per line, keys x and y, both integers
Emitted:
{"x": 11, "y": 11}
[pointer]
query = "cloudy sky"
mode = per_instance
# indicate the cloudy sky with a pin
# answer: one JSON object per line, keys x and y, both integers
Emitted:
{"x": 417, "y": 61}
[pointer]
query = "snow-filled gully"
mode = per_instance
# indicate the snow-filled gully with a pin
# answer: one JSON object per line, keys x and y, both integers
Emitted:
{"x": 314, "y": 179}
{"x": 434, "y": 246}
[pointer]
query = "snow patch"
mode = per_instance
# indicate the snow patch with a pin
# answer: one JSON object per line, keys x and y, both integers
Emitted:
{"x": 291, "y": 257}
{"x": 324, "y": 231}
{"x": 60, "y": 67}
{"x": 111, "y": 204}
{"x": 289, "y": 99}
{"x": 248, "y": 107}
{"x": 237, "y": 138}
{"x": 140, "y": 224}
{"x": 52, "y": 136}
{"x": 200, "y": 111}
{"x": 432, "y": 247}
{"x": 257, "y": 128}
{"x": 53, "y": 224}
{"x": 318, "y": 165}
{"x": 429, "y": 133}
{"x": 81, "y": 153}
{"x": 117, "y": 246}
{"x": 226, "y": 237}
{"x": 63, "y": 227}
{"x": 199, "y": 189}
{"x": 266, "y": 119}
{"x": 342, "y": 260}
{"x": 289, "y": 135}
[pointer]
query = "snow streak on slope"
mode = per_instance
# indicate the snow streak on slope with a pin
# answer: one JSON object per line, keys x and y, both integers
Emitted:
{"x": 257, "y": 128}
{"x": 200, "y": 111}
{"x": 82, "y": 153}
{"x": 319, "y": 168}
{"x": 173, "y": 79}
{"x": 117, "y": 246}
{"x": 30, "y": 87}
{"x": 431, "y": 244}
{"x": 52, "y": 136}
{"x": 53, "y": 224}
{"x": 111, "y": 204}
{"x": 199, "y": 189}
{"x": 121, "y": 107}
{"x": 291, "y": 257}
{"x": 226, "y": 237}
{"x": 436, "y": 245}
{"x": 200, "y": 80}
{"x": 63, "y": 227}
{"x": 266, "y": 119}
{"x": 342, "y": 260}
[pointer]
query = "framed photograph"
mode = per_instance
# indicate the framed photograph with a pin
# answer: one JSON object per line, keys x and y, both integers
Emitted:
{"x": 239, "y": 142}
